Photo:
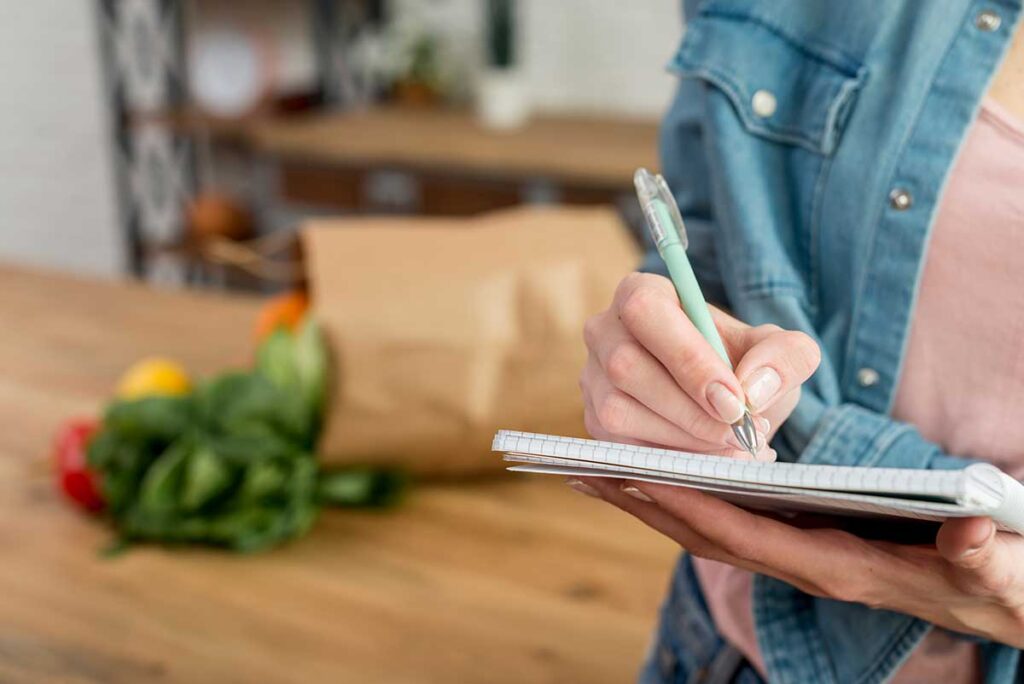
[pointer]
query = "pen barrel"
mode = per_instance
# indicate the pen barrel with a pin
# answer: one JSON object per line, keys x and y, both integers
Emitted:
{"x": 690, "y": 296}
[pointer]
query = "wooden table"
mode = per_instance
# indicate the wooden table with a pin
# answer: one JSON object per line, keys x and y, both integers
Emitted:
{"x": 511, "y": 580}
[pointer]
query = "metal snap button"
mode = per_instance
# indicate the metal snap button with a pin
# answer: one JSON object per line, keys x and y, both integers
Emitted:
{"x": 900, "y": 199}
{"x": 764, "y": 103}
{"x": 987, "y": 20}
{"x": 867, "y": 377}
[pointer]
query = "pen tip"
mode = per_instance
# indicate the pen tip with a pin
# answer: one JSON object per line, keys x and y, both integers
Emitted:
{"x": 746, "y": 433}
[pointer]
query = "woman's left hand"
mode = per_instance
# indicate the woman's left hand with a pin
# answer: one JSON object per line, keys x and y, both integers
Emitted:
{"x": 971, "y": 581}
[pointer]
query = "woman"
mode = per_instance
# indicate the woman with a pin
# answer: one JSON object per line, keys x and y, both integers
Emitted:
{"x": 852, "y": 179}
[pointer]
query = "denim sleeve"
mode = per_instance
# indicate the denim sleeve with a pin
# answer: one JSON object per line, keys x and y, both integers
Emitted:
{"x": 823, "y": 429}
{"x": 826, "y": 429}
{"x": 850, "y": 435}
{"x": 685, "y": 167}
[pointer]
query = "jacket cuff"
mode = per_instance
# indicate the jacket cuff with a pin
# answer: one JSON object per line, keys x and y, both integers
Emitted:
{"x": 849, "y": 435}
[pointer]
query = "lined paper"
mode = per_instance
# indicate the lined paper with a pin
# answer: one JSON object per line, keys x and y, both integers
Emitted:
{"x": 930, "y": 495}
{"x": 947, "y": 484}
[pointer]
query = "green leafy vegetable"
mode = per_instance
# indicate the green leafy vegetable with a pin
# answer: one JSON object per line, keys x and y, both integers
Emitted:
{"x": 232, "y": 463}
{"x": 361, "y": 487}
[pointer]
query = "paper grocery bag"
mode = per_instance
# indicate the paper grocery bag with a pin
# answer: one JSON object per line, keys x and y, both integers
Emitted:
{"x": 443, "y": 331}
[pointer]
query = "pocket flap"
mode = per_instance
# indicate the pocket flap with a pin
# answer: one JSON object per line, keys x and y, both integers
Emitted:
{"x": 782, "y": 90}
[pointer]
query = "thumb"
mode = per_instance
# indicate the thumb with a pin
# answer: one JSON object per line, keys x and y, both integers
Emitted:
{"x": 984, "y": 563}
{"x": 968, "y": 543}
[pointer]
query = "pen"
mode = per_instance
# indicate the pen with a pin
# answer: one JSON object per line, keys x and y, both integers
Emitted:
{"x": 669, "y": 234}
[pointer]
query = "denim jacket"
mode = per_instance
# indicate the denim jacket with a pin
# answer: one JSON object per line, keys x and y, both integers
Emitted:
{"x": 808, "y": 147}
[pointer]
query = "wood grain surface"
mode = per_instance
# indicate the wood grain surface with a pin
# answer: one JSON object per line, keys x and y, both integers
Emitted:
{"x": 508, "y": 580}
{"x": 594, "y": 151}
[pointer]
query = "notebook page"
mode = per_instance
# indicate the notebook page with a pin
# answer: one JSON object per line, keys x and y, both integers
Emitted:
{"x": 794, "y": 500}
{"x": 885, "y": 481}
{"x": 774, "y": 494}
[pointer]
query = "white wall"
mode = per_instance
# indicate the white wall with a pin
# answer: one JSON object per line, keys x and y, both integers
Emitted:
{"x": 589, "y": 56}
{"x": 57, "y": 198}
{"x": 601, "y": 55}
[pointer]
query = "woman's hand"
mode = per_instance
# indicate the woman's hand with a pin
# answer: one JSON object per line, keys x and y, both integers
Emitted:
{"x": 971, "y": 581}
{"x": 651, "y": 378}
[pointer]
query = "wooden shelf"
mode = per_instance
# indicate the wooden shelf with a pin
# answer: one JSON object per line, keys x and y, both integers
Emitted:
{"x": 593, "y": 152}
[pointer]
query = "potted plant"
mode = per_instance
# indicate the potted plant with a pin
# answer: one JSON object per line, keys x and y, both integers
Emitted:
{"x": 501, "y": 94}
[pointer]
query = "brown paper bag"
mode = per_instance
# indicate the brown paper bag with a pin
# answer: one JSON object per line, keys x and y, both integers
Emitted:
{"x": 446, "y": 330}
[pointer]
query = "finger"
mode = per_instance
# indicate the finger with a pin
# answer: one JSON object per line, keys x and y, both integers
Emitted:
{"x": 770, "y": 420}
{"x": 737, "y": 336}
{"x": 595, "y": 430}
{"x": 778, "y": 363}
{"x": 657, "y": 518}
{"x": 639, "y": 281}
{"x": 621, "y": 416}
{"x": 967, "y": 542}
{"x": 842, "y": 565}
{"x": 653, "y": 317}
{"x": 632, "y": 369}
{"x": 985, "y": 563}
{"x": 590, "y": 423}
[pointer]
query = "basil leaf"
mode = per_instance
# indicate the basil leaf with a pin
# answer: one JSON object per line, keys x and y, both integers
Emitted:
{"x": 160, "y": 489}
{"x": 206, "y": 476}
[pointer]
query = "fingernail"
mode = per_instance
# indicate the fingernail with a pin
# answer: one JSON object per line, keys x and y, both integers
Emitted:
{"x": 635, "y": 492}
{"x": 726, "y": 404}
{"x": 768, "y": 456}
{"x": 761, "y": 386}
{"x": 583, "y": 488}
{"x": 762, "y": 424}
{"x": 979, "y": 546}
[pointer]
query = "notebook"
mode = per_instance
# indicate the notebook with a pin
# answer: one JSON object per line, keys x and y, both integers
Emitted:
{"x": 789, "y": 489}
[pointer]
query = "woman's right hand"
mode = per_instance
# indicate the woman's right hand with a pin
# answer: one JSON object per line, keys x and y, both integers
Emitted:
{"x": 651, "y": 378}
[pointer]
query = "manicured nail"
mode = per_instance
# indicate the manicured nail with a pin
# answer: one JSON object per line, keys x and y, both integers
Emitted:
{"x": 762, "y": 424}
{"x": 761, "y": 386}
{"x": 635, "y": 492}
{"x": 583, "y": 488}
{"x": 726, "y": 404}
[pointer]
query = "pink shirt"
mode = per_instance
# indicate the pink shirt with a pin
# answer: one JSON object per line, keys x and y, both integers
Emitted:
{"x": 962, "y": 383}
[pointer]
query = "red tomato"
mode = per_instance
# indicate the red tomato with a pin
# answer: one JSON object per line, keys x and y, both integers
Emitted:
{"x": 75, "y": 480}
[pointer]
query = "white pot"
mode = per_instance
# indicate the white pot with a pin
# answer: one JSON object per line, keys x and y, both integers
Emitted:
{"x": 501, "y": 100}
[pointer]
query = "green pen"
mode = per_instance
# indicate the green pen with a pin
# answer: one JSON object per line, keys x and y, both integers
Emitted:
{"x": 669, "y": 233}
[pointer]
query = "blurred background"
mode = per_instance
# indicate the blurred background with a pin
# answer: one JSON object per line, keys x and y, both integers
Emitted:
{"x": 136, "y": 129}
{"x": 272, "y": 275}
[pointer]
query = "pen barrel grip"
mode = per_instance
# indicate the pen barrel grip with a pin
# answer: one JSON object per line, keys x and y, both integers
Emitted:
{"x": 691, "y": 298}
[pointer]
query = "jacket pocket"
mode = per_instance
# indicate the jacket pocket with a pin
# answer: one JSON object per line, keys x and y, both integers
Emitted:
{"x": 782, "y": 90}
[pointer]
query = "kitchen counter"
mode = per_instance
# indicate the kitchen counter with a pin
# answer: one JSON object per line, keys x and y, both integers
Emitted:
{"x": 505, "y": 580}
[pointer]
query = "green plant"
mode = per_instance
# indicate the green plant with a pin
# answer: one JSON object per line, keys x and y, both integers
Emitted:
{"x": 231, "y": 463}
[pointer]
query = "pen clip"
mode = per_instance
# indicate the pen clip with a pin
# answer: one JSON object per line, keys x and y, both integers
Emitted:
{"x": 673, "y": 209}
